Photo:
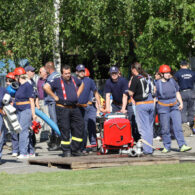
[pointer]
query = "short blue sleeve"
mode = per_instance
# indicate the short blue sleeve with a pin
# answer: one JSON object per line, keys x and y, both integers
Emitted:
{"x": 93, "y": 86}
{"x": 107, "y": 87}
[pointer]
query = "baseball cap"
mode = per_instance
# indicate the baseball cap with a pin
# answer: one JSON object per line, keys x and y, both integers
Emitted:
{"x": 183, "y": 63}
{"x": 80, "y": 67}
{"x": 29, "y": 68}
{"x": 114, "y": 69}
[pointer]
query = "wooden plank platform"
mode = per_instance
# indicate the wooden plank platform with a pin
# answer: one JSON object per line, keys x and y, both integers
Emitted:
{"x": 98, "y": 161}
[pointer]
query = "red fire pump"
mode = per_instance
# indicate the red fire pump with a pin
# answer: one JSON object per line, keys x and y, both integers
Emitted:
{"x": 114, "y": 132}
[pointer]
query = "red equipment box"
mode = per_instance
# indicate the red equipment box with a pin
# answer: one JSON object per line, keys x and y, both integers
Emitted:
{"x": 117, "y": 132}
{"x": 114, "y": 133}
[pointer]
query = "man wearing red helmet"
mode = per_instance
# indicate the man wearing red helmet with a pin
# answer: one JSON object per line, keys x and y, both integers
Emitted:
{"x": 169, "y": 106}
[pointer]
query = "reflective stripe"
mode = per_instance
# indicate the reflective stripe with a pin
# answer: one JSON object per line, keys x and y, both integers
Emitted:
{"x": 77, "y": 139}
{"x": 65, "y": 143}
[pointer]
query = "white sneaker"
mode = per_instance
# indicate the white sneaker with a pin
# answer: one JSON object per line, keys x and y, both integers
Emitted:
{"x": 32, "y": 155}
{"x": 22, "y": 156}
{"x": 14, "y": 154}
{"x": 158, "y": 138}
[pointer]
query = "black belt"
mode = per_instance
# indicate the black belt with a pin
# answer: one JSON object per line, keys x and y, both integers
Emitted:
{"x": 66, "y": 106}
{"x": 186, "y": 89}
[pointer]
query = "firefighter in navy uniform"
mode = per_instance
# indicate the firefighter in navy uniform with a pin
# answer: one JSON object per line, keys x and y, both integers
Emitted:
{"x": 186, "y": 80}
{"x": 54, "y": 140}
{"x": 117, "y": 86}
{"x": 69, "y": 117}
{"x": 84, "y": 103}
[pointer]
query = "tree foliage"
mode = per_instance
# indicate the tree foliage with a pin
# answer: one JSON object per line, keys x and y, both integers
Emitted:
{"x": 27, "y": 29}
{"x": 99, "y": 33}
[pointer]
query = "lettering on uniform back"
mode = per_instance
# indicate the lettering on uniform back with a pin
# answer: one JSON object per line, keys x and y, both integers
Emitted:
{"x": 147, "y": 86}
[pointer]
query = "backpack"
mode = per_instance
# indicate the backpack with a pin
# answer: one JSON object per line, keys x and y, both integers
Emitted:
{"x": 147, "y": 85}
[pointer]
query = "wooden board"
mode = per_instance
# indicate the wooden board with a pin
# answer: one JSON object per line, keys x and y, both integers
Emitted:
{"x": 87, "y": 162}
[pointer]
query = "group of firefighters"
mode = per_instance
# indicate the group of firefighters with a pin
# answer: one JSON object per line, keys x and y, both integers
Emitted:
{"x": 71, "y": 105}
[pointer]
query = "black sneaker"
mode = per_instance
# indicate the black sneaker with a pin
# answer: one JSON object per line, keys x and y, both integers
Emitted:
{"x": 54, "y": 147}
{"x": 78, "y": 153}
{"x": 66, "y": 154}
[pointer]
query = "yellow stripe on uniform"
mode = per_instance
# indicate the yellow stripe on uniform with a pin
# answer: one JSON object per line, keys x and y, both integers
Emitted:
{"x": 65, "y": 143}
{"x": 77, "y": 139}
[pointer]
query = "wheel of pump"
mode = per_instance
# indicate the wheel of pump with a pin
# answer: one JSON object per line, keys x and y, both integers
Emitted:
{"x": 186, "y": 130}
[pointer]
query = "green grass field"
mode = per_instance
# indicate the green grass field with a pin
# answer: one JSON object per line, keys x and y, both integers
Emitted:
{"x": 154, "y": 179}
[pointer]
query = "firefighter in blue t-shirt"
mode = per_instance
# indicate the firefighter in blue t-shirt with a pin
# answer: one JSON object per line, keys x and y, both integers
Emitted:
{"x": 86, "y": 106}
{"x": 168, "y": 106}
{"x": 186, "y": 79}
{"x": 65, "y": 90}
{"x": 117, "y": 87}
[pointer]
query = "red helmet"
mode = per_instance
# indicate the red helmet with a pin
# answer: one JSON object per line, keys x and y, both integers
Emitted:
{"x": 19, "y": 71}
{"x": 164, "y": 68}
{"x": 10, "y": 75}
{"x": 87, "y": 73}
